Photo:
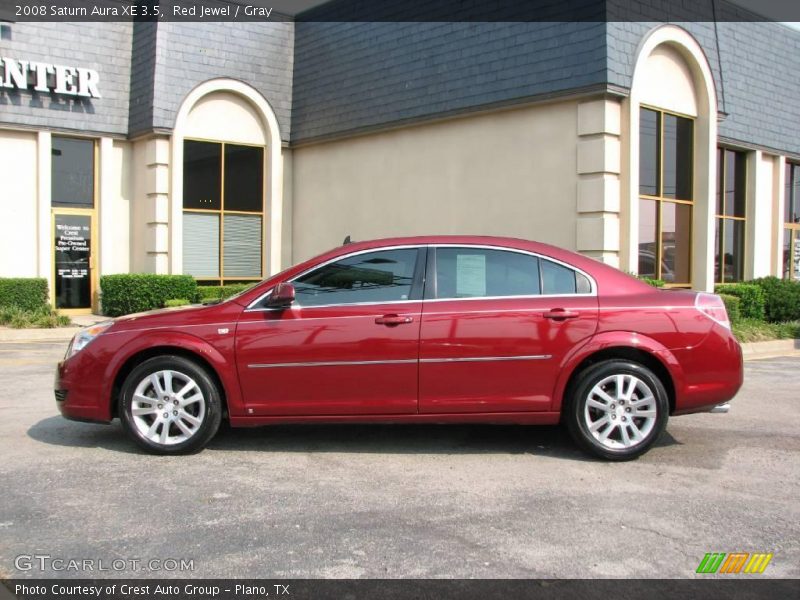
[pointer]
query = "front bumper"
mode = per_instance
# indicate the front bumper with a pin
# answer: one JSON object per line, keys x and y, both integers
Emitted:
{"x": 77, "y": 388}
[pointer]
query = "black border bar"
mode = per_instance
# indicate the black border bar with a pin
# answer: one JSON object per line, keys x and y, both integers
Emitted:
{"x": 401, "y": 10}
{"x": 737, "y": 587}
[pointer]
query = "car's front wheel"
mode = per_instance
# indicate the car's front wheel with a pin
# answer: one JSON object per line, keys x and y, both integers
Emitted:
{"x": 170, "y": 405}
{"x": 616, "y": 409}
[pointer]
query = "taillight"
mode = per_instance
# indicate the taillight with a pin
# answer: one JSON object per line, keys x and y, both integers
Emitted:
{"x": 713, "y": 307}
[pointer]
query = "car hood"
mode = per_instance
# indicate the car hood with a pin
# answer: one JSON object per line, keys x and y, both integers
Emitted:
{"x": 164, "y": 317}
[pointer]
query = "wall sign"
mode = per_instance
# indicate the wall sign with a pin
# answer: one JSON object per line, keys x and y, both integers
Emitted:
{"x": 44, "y": 77}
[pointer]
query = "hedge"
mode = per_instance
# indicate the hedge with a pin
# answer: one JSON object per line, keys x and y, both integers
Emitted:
{"x": 752, "y": 305}
{"x": 781, "y": 299}
{"x": 175, "y": 302}
{"x": 27, "y": 293}
{"x": 138, "y": 292}
{"x": 659, "y": 283}
{"x": 220, "y": 292}
{"x": 733, "y": 307}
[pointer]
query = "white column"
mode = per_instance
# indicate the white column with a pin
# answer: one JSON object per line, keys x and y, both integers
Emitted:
{"x": 779, "y": 206}
{"x": 286, "y": 210}
{"x": 760, "y": 217}
{"x": 598, "y": 190}
{"x": 105, "y": 215}
{"x": 157, "y": 208}
{"x": 44, "y": 229}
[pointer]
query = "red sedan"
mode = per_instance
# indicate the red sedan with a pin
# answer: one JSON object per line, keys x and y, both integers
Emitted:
{"x": 433, "y": 329}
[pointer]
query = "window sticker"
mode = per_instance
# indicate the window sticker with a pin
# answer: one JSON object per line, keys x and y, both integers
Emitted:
{"x": 470, "y": 275}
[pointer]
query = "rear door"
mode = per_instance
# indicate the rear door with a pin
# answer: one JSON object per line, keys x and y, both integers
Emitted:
{"x": 495, "y": 326}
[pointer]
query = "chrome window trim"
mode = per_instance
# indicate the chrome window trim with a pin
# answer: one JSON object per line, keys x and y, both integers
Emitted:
{"x": 592, "y": 281}
{"x": 402, "y": 361}
{"x": 250, "y": 306}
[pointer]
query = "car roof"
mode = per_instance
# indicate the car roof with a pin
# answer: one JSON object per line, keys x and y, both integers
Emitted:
{"x": 619, "y": 281}
{"x": 574, "y": 258}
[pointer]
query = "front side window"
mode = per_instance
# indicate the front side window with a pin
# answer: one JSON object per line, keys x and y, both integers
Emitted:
{"x": 381, "y": 276}
{"x": 666, "y": 182}
{"x": 791, "y": 232}
{"x": 730, "y": 219}
{"x": 223, "y": 211}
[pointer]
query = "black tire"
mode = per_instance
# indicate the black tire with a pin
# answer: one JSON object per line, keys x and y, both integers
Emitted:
{"x": 619, "y": 417}
{"x": 170, "y": 411}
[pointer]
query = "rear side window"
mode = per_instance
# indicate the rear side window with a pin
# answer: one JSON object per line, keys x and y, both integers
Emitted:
{"x": 558, "y": 279}
{"x": 478, "y": 272}
{"x": 381, "y": 276}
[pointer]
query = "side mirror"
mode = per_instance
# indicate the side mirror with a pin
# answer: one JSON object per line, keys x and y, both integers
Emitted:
{"x": 282, "y": 296}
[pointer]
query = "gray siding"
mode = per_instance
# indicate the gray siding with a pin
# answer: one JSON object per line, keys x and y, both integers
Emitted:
{"x": 755, "y": 73}
{"x": 188, "y": 54}
{"x": 761, "y": 68}
{"x": 354, "y": 76}
{"x": 142, "y": 77}
{"x": 104, "y": 47}
{"x": 324, "y": 79}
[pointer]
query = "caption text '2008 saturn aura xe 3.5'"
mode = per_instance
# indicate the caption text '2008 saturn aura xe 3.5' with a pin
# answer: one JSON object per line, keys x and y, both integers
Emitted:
{"x": 415, "y": 330}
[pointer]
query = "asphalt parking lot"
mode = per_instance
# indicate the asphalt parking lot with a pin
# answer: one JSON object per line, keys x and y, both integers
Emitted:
{"x": 398, "y": 501}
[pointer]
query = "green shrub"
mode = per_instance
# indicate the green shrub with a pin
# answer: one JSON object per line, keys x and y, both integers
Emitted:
{"x": 138, "y": 292}
{"x": 659, "y": 283}
{"x": 781, "y": 299}
{"x": 172, "y": 303}
{"x": 220, "y": 292}
{"x": 751, "y": 295}
{"x": 733, "y": 307}
{"x": 42, "y": 317}
{"x": 28, "y": 293}
{"x": 752, "y": 330}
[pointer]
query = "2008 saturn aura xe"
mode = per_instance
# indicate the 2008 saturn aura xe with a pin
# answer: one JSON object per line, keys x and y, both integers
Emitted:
{"x": 415, "y": 330}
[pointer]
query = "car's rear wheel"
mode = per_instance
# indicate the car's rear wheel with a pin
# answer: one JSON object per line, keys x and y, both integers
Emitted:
{"x": 170, "y": 405}
{"x": 616, "y": 409}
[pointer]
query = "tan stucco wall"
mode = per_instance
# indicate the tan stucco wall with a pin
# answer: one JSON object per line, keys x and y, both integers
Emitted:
{"x": 19, "y": 242}
{"x": 506, "y": 173}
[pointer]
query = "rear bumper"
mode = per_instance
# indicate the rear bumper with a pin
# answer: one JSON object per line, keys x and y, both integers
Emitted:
{"x": 713, "y": 373}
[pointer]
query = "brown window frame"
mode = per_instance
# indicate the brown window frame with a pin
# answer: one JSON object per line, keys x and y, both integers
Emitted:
{"x": 660, "y": 199}
{"x": 222, "y": 211}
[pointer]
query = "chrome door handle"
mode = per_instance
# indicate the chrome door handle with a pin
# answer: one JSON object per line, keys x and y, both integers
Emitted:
{"x": 393, "y": 320}
{"x": 559, "y": 314}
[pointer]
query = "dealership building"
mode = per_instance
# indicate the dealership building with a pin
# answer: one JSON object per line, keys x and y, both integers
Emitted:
{"x": 229, "y": 151}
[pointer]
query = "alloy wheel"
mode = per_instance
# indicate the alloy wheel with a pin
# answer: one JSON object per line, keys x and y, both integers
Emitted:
{"x": 168, "y": 407}
{"x": 620, "y": 411}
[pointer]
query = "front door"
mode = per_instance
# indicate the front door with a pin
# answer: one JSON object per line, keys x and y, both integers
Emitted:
{"x": 496, "y": 328}
{"x": 73, "y": 262}
{"x": 349, "y": 345}
{"x": 73, "y": 190}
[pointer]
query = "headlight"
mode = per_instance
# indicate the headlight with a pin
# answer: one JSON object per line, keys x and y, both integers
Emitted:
{"x": 85, "y": 336}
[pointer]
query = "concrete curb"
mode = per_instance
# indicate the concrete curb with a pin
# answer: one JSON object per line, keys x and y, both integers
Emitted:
{"x": 23, "y": 336}
{"x": 56, "y": 334}
{"x": 772, "y": 348}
